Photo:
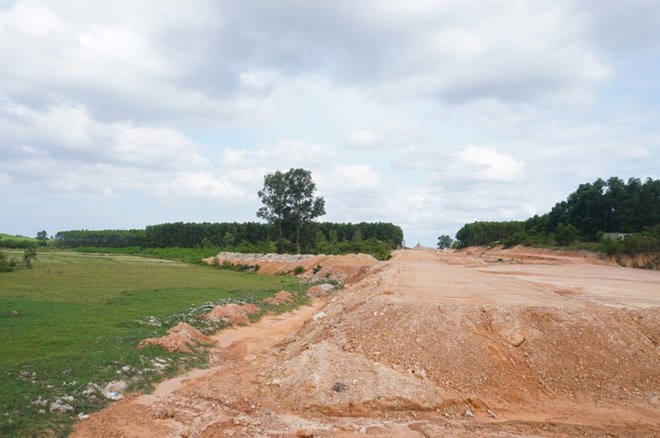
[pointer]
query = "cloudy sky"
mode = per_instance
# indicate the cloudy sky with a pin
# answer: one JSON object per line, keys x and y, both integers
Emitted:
{"x": 428, "y": 114}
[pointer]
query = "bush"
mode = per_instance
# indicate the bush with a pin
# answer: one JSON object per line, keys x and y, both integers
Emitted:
{"x": 610, "y": 246}
{"x": 7, "y": 264}
{"x": 566, "y": 234}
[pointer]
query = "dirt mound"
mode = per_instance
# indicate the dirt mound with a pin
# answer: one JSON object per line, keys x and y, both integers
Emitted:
{"x": 345, "y": 268}
{"x": 502, "y": 355}
{"x": 234, "y": 313}
{"x": 280, "y": 298}
{"x": 181, "y": 338}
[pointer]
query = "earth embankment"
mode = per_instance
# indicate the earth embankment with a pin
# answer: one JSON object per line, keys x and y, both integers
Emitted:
{"x": 435, "y": 343}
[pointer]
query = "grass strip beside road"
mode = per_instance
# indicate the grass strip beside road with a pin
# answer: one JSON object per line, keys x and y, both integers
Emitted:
{"x": 76, "y": 319}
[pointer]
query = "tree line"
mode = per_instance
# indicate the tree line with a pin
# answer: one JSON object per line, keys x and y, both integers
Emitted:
{"x": 325, "y": 237}
{"x": 594, "y": 209}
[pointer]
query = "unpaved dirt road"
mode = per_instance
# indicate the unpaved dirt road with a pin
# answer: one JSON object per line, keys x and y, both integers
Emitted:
{"x": 431, "y": 344}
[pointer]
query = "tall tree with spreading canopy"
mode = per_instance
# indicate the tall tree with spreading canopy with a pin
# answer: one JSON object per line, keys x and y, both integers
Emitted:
{"x": 289, "y": 202}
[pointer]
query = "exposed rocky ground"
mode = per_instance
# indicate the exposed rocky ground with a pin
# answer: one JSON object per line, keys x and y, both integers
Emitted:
{"x": 473, "y": 343}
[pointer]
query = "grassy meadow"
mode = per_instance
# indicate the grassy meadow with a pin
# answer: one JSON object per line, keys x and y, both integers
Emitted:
{"x": 74, "y": 320}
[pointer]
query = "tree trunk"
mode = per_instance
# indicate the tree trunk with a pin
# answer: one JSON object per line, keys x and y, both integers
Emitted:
{"x": 298, "y": 240}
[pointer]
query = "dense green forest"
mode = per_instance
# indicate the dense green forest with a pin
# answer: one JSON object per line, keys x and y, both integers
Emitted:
{"x": 328, "y": 238}
{"x": 611, "y": 206}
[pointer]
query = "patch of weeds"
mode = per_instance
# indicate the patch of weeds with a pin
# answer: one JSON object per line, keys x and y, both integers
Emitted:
{"x": 298, "y": 270}
{"x": 238, "y": 267}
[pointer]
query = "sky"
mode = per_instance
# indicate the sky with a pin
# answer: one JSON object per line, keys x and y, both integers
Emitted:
{"x": 429, "y": 114}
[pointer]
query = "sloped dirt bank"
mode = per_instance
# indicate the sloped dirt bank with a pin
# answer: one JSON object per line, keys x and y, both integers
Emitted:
{"x": 345, "y": 268}
{"x": 425, "y": 346}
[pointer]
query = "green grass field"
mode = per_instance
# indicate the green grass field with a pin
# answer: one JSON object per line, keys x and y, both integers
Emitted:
{"x": 76, "y": 319}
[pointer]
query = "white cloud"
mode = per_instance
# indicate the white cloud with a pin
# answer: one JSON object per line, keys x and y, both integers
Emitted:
{"x": 199, "y": 185}
{"x": 361, "y": 138}
{"x": 68, "y": 131}
{"x": 351, "y": 178}
{"x": 83, "y": 184}
{"x": 282, "y": 155}
{"x": 157, "y": 147}
{"x": 635, "y": 153}
{"x": 487, "y": 164}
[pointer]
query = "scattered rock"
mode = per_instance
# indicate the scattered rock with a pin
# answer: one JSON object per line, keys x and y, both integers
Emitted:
{"x": 153, "y": 321}
{"x": 345, "y": 427}
{"x": 515, "y": 339}
{"x": 119, "y": 386}
{"x": 40, "y": 402}
{"x": 58, "y": 406}
{"x": 320, "y": 290}
{"x": 319, "y": 315}
{"x": 339, "y": 387}
{"x": 167, "y": 412}
{"x": 113, "y": 395}
{"x": 304, "y": 432}
{"x": 468, "y": 413}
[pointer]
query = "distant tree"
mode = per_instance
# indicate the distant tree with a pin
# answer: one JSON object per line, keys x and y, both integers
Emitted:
{"x": 289, "y": 202}
{"x": 445, "y": 241}
{"x": 42, "y": 235}
{"x": 28, "y": 255}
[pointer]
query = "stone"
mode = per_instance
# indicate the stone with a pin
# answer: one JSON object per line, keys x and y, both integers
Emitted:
{"x": 339, "y": 387}
{"x": 515, "y": 339}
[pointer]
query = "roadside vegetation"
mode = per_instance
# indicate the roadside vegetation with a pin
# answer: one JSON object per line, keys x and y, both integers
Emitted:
{"x": 612, "y": 217}
{"x": 71, "y": 324}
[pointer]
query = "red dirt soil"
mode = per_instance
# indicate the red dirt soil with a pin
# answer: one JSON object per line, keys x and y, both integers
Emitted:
{"x": 280, "y": 298}
{"x": 181, "y": 338}
{"x": 234, "y": 313}
{"x": 495, "y": 343}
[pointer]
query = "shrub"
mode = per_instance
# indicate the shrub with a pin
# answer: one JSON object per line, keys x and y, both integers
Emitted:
{"x": 6, "y": 264}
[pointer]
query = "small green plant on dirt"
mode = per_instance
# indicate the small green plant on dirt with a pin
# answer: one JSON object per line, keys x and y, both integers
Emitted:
{"x": 298, "y": 270}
